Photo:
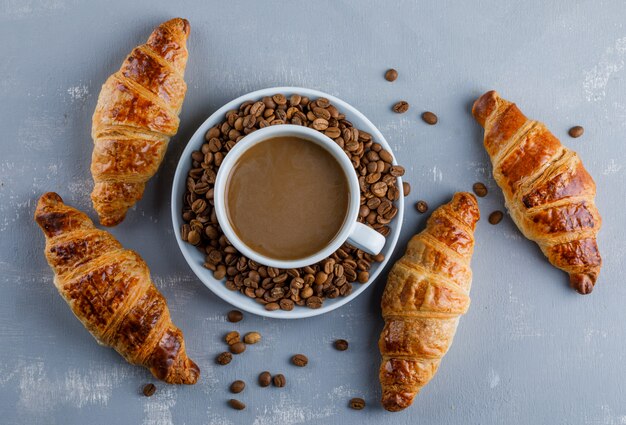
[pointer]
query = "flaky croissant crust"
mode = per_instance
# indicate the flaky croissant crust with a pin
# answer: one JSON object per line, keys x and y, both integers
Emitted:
{"x": 136, "y": 114}
{"x": 547, "y": 190}
{"x": 110, "y": 291}
{"x": 426, "y": 292}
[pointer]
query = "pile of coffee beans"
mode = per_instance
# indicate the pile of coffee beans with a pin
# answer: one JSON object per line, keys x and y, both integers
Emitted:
{"x": 308, "y": 286}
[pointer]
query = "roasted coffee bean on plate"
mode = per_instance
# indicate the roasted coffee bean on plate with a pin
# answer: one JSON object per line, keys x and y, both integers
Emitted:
{"x": 357, "y": 403}
{"x": 391, "y": 75}
{"x": 480, "y": 189}
{"x": 149, "y": 390}
{"x": 429, "y": 118}
{"x": 576, "y": 131}
{"x": 224, "y": 358}
{"x": 495, "y": 217}
{"x": 236, "y": 404}
{"x": 233, "y": 316}
{"x": 252, "y": 338}
{"x": 279, "y": 380}
{"x": 237, "y": 386}
{"x": 286, "y": 289}
{"x": 341, "y": 344}
{"x": 401, "y": 107}
{"x": 265, "y": 379}
{"x": 300, "y": 360}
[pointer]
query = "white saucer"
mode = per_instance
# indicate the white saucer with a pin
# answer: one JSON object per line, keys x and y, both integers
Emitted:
{"x": 195, "y": 258}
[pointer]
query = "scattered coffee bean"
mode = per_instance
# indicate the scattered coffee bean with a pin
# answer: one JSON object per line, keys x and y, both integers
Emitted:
{"x": 496, "y": 217}
{"x": 238, "y": 348}
{"x": 252, "y": 338}
{"x": 232, "y": 338}
{"x": 401, "y": 107}
{"x": 391, "y": 75}
{"x": 357, "y": 403}
{"x": 300, "y": 360}
{"x": 341, "y": 345}
{"x": 480, "y": 189}
{"x": 237, "y": 387}
{"x": 279, "y": 380}
{"x": 406, "y": 188}
{"x": 234, "y": 316}
{"x": 265, "y": 379}
{"x": 149, "y": 390}
{"x": 236, "y": 404}
{"x": 224, "y": 358}
{"x": 429, "y": 118}
{"x": 576, "y": 131}
{"x": 421, "y": 207}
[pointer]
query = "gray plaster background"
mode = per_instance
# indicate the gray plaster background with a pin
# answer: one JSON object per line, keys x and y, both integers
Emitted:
{"x": 530, "y": 350}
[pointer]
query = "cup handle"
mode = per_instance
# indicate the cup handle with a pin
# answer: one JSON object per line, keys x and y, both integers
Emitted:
{"x": 367, "y": 239}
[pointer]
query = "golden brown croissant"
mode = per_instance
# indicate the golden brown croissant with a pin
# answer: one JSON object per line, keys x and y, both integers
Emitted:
{"x": 427, "y": 290}
{"x": 547, "y": 190}
{"x": 110, "y": 291}
{"x": 136, "y": 114}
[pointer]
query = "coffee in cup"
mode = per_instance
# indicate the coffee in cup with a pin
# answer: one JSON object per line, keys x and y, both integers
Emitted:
{"x": 287, "y": 198}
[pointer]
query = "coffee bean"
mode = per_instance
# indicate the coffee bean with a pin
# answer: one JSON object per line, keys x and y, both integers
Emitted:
{"x": 401, "y": 107}
{"x": 314, "y": 302}
{"x": 224, "y": 358}
{"x": 272, "y": 306}
{"x": 320, "y": 124}
{"x": 379, "y": 189}
{"x": 429, "y": 118}
{"x": 363, "y": 277}
{"x": 193, "y": 237}
{"x": 480, "y": 189}
{"x": 495, "y": 217}
{"x": 421, "y": 207}
{"x": 406, "y": 188}
{"x": 265, "y": 379}
{"x": 234, "y": 316}
{"x": 396, "y": 171}
{"x": 576, "y": 131}
{"x": 220, "y": 272}
{"x": 286, "y": 304}
{"x": 252, "y": 338}
{"x": 386, "y": 156}
{"x": 279, "y": 380}
{"x": 300, "y": 360}
{"x": 232, "y": 338}
{"x": 341, "y": 344}
{"x": 391, "y": 75}
{"x": 237, "y": 386}
{"x": 238, "y": 348}
{"x": 149, "y": 390}
{"x": 357, "y": 403}
{"x": 236, "y": 404}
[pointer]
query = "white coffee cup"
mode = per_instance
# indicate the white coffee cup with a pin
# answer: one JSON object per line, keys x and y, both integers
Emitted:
{"x": 355, "y": 233}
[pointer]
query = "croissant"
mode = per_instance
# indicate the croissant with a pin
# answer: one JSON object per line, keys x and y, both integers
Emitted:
{"x": 547, "y": 190}
{"x": 110, "y": 291}
{"x": 136, "y": 114}
{"x": 427, "y": 290}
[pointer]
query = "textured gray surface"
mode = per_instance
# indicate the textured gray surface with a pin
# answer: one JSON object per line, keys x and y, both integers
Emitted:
{"x": 529, "y": 351}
